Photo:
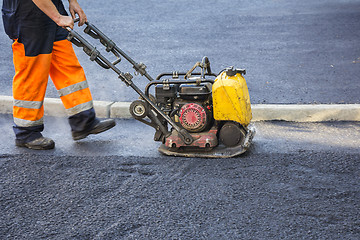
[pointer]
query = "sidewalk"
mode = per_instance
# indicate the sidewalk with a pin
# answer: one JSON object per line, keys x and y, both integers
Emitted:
{"x": 261, "y": 112}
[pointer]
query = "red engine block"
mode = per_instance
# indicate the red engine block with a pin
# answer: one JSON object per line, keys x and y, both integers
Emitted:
{"x": 193, "y": 117}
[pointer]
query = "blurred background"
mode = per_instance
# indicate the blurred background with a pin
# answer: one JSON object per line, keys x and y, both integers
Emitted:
{"x": 294, "y": 51}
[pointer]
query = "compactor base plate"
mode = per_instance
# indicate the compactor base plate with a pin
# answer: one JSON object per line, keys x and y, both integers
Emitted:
{"x": 220, "y": 151}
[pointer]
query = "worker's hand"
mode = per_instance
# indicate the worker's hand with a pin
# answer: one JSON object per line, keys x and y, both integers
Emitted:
{"x": 65, "y": 21}
{"x": 48, "y": 7}
{"x": 74, "y": 9}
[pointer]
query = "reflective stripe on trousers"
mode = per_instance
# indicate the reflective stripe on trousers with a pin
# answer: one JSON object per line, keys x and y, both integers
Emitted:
{"x": 31, "y": 77}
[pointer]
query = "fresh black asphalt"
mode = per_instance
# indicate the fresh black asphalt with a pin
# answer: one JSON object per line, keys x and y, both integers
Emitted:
{"x": 298, "y": 181}
{"x": 306, "y": 195}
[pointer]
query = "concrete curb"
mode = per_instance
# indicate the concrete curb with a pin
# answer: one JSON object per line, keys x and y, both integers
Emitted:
{"x": 306, "y": 112}
{"x": 261, "y": 112}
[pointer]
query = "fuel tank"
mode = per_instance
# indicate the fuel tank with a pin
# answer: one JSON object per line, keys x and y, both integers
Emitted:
{"x": 231, "y": 100}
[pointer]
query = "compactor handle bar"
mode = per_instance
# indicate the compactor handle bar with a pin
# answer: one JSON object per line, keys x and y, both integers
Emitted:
{"x": 96, "y": 56}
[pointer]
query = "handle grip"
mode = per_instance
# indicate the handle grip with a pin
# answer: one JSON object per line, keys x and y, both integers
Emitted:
{"x": 75, "y": 21}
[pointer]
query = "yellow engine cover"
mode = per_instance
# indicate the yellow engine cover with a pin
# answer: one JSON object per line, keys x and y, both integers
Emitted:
{"x": 231, "y": 100}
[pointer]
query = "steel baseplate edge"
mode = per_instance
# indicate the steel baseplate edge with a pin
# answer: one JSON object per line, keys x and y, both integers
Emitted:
{"x": 218, "y": 152}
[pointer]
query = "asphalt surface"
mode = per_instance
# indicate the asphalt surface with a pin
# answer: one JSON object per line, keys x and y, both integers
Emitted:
{"x": 298, "y": 181}
{"x": 278, "y": 196}
{"x": 294, "y": 51}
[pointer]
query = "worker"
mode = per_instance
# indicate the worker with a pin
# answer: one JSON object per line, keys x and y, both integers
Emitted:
{"x": 40, "y": 49}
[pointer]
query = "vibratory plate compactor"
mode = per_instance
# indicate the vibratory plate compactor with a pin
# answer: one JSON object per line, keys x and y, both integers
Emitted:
{"x": 195, "y": 114}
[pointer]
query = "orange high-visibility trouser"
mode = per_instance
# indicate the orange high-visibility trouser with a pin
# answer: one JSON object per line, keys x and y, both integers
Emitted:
{"x": 31, "y": 77}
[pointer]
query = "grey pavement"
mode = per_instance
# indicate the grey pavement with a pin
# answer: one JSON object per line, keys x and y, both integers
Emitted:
{"x": 133, "y": 138}
{"x": 294, "y": 51}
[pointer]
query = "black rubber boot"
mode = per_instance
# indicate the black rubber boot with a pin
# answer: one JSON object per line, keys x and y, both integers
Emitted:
{"x": 101, "y": 126}
{"x": 40, "y": 143}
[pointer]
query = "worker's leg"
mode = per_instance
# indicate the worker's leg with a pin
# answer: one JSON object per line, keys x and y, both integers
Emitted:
{"x": 29, "y": 86}
{"x": 69, "y": 78}
{"x": 32, "y": 57}
{"x": 70, "y": 81}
